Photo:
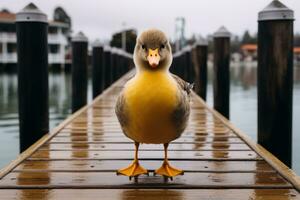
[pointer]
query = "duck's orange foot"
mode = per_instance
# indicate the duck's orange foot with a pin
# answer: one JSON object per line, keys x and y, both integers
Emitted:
{"x": 168, "y": 171}
{"x": 133, "y": 170}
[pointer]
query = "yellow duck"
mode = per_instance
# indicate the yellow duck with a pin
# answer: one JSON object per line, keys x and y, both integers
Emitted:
{"x": 154, "y": 105}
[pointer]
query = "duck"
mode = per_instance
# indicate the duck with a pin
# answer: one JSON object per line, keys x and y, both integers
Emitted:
{"x": 154, "y": 105}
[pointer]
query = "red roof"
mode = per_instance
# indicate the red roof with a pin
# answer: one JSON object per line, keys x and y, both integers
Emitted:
{"x": 6, "y": 16}
{"x": 297, "y": 50}
{"x": 249, "y": 47}
{"x": 253, "y": 47}
{"x": 11, "y": 17}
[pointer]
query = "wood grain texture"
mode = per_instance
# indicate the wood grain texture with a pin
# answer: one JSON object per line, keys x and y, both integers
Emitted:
{"x": 113, "y": 165}
{"x": 275, "y": 88}
{"x": 129, "y": 146}
{"x": 221, "y": 81}
{"x": 111, "y": 180}
{"x": 150, "y": 194}
{"x": 173, "y": 155}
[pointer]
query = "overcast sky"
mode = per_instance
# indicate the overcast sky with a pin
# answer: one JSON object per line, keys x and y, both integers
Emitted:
{"x": 101, "y": 18}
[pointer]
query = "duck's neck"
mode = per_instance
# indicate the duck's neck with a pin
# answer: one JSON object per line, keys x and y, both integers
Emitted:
{"x": 161, "y": 71}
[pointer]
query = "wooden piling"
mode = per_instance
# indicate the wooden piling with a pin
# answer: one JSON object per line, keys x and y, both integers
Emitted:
{"x": 181, "y": 63}
{"x": 189, "y": 65}
{"x": 184, "y": 64}
{"x": 79, "y": 71}
{"x": 275, "y": 80}
{"x": 32, "y": 48}
{"x": 128, "y": 61}
{"x": 107, "y": 67}
{"x": 221, "y": 85}
{"x": 200, "y": 66}
{"x": 174, "y": 65}
{"x": 114, "y": 64}
{"x": 122, "y": 67}
{"x": 97, "y": 65}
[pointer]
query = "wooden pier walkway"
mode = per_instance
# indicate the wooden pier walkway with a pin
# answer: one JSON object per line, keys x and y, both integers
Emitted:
{"x": 78, "y": 160}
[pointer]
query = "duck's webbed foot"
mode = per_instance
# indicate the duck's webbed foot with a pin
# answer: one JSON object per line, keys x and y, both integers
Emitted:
{"x": 133, "y": 170}
{"x": 168, "y": 171}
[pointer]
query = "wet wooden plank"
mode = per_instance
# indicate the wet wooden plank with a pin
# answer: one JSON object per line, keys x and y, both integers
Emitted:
{"x": 130, "y": 146}
{"x": 117, "y": 130}
{"x": 150, "y": 194}
{"x": 120, "y": 134}
{"x": 125, "y": 139}
{"x": 110, "y": 180}
{"x": 173, "y": 155}
{"x": 114, "y": 125}
{"x": 113, "y": 165}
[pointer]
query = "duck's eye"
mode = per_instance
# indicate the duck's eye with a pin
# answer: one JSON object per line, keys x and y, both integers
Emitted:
{"x": 143, "y": 47}
{"x": 162, "y": 46}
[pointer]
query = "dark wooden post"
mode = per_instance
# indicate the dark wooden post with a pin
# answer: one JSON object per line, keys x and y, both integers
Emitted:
{"x": 97, "y": 65}
{"x": 128, "y": 61}
{"x": 184, "y": 64}
{"x": 79, "y": 71}
{"x": 181, "y": 63}
{"x": 275, "y": 80}
{"x": 119, "y": 63}
{"x": 122, "y": 67}
{"x": 113, "y": 64}
{"x": 107, "y": 67}
{"x": 221, "y": 85}
{"x": 200, "y": 64}
{"x": 32, "y": 31}
{"x": 174, "y": 65}
{"x": 189, "y": 64}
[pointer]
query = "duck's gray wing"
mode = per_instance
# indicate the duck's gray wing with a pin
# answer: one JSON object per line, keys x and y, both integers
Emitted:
{"x": 182, "y": 111}
{"x": 187, "y": 87}
{"x": 120, "y": 110}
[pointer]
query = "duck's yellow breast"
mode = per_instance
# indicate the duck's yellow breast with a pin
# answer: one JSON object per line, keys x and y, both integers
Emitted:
{"x": 151, "y": 98}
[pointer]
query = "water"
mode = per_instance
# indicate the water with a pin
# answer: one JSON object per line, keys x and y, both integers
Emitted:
{"x": 243, "y": 104}
{"x": 59, "y": 109}
{"x": 243, "y": 107}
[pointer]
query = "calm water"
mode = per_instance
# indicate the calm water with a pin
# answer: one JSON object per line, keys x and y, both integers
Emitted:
{"x": 242, "y": 108}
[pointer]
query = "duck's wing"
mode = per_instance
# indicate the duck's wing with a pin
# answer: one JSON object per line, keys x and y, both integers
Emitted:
{"x": 182, "y": 111}
{"x": 187, "y": 87}
{"x": 120, "y": 110}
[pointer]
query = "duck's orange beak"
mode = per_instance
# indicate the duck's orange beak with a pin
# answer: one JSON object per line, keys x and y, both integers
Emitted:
{"x": 153, "y": 57}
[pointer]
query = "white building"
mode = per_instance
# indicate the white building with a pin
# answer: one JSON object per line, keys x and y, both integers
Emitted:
{"x": 57, "y": 40}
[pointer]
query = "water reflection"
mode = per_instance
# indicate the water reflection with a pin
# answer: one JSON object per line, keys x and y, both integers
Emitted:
{"x": 136, "y": 194}
{"x": 59, "y": 108}
{"x": 59, "y": 97}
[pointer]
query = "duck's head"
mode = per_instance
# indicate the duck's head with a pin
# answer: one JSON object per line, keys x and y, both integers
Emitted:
{"x": 152, "y": 51}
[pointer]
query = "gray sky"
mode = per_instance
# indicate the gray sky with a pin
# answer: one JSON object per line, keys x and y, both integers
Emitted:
{"x": 101, "y": 18}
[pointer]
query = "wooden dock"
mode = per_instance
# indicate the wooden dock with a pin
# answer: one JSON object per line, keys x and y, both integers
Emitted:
{"x": 79, "y": 159}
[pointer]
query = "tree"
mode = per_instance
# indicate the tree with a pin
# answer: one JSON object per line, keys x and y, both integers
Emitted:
{"x": 235, "y": 44}
{"x": 5, "y": 10}
{"x": 246, "y": 39}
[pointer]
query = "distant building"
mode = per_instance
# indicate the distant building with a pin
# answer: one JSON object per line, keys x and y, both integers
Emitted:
{"x": 58, "y": 33}
{"x": 129, "y": 35}
{"x": 297, "y": 55}
{"x": 249, "y": 52}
